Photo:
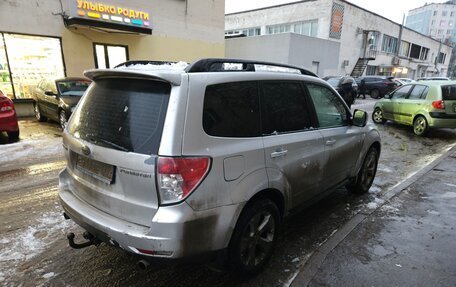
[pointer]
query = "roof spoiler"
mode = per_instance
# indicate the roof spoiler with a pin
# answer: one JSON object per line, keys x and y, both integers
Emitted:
{"x": 173, "y": 78}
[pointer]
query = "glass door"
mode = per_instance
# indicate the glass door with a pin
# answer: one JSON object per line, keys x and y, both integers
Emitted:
{"x": 5, "y": 80}
{"x": 109, "y": 56}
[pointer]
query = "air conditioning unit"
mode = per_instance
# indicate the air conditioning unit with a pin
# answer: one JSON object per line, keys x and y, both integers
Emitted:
{"x": 345, "y": 63}
{"x": 395, "y": 61}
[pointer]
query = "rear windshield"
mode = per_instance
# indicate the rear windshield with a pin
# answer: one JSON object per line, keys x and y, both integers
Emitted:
{"x": 334, "y": 82}
{"x": 122, "y": 114}
{"x": 449, "y": 93}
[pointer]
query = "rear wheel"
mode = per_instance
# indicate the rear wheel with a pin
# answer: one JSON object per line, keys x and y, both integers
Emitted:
{"x": 420, "y": 126}
{"x": 63, "y": 119}
{"x": 13, "y": 136}
{"x": 366, "y": 175}
{"x": 377, "y": 116}
{"x": 38, "y": 114}
{"x": 254, "y": 237}
{"x": 375, "y": 94}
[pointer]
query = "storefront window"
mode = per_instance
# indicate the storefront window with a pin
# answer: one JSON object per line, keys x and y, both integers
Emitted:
{"x": 109, "y": 56}
{"x": 31, "y": 59}
{"x": 5, "y": 81}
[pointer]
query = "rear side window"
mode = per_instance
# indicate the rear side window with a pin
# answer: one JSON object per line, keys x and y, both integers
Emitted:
{"x": 284, "y": 108}
{"x": 330, "y": 109}
{"x": 123, "y": 114}
{"x": 418, "y": 92}
{"x": 232, "y": 110}
{"x": 449, "y": 93}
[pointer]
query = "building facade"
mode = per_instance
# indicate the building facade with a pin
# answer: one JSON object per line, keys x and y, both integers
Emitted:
{"x": 368, "y": 43}
{"x": 56, "y": 38}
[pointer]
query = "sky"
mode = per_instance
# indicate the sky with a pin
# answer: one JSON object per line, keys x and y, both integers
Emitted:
{"x": 391, "y": 9}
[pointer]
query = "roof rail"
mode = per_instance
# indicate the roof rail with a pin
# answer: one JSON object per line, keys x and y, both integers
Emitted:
{"x": 144, "y": 62}
{"x": 216, "y": 65}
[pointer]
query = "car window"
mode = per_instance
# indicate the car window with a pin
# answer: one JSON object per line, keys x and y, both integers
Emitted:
{"x": 401, "y": 93}
{"x": 449, "y": 93}
{"x": 284, "y": 108}
{"x": 417, "y": 92}
{"x": 232, "y": 110}
{"x": 73, "y": 87}
{"x": 50, "y": 86}
{"x": 331, "y": 111}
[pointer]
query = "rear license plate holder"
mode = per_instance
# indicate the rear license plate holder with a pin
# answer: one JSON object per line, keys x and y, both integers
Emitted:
{"x": 99, "y": 170}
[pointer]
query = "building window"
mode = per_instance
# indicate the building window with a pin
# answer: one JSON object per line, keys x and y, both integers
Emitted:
{"x": 404, "y": 49}
{"x": 449, "y": 32}
{"x": 29, "y": 59}
{"x": 308, "y": 28}
{"x": 424, "y": 54}
{"x": 440, "y": 32}
{"x": 435, "y": 13}
{"x": 109, "y": 56}
{"x": 371, "y": 70}
{"x": 444, "y": 13}
{"x": 389, "y": 44}
{"x": 450, "y": 23}
{"x": 432, "y": 22}
{"x": 452, "y": 14}
{"x": 248, "y": 32}
{"x": 442, "y": 23}
{"x": 441, "y": 58}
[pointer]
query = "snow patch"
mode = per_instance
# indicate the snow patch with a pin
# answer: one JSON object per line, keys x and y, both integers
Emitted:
{"x": 375, "y": 189}
{"x": 433, "y": 212}
{"x": 449, "y": 184}
{"x": 179, "y": 66}
{"x": 449, "y": 194}
{"x": 376, "y": 203}
{"x": 26, "y": 149}
{"x": 48, "y": 275}
{"x": 30, "y": 242}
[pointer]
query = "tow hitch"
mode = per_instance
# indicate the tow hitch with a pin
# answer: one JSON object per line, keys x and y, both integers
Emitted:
{"x": 91, "y": 240}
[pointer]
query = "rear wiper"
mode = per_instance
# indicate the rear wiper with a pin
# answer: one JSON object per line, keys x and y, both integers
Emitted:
{"x": 113, "y": 145}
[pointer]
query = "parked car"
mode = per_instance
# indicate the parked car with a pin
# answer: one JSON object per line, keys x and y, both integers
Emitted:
{"x": 377, "y": 86}
{"x": 57, "y": 99}
{"x": 346, "y": 87}
{"x": 434, "y": 79}
{"x": 423, "y": 105}
{"x": 168, "y": 164}
{"x": 407, "y": 80}
{"x": 8, "y": 118}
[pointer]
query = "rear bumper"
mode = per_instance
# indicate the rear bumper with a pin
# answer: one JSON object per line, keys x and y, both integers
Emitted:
{"x": 8, "y": 122}
{"x": 439, "y": 120}
{"x": 175, "y": 232}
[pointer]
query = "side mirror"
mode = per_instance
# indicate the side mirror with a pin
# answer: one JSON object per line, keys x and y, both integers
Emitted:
{"x": 387, "y": 96}
{"x": 359, "y": 118}
{"x": 50, "y": 93}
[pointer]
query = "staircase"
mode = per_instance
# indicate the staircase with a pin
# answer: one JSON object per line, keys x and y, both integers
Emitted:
{"x": 359, "y": 68}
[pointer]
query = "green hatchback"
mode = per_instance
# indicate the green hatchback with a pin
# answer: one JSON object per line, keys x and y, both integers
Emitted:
{"x": 423, "y": 105}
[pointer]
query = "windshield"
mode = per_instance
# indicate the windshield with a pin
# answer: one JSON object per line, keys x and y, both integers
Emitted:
{"x": 122, "y": 114}
{"x": 73, "y": 87}
{"x": 334, "y": 82}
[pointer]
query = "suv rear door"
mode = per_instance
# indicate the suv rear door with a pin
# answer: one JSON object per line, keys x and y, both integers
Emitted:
{"x": 113, "y": 140}
{"x": 294, "y": 151}
{"x": 449, "y": 97}
{"x": 342, "y": 142}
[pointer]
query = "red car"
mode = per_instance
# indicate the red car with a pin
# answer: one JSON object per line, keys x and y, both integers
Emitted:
{"x": 8, "y": 119}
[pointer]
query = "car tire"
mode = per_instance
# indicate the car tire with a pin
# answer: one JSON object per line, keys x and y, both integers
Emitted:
{"x": 250, "y": 248}
{"x": 63, "y": 119}
{"x": 377, "y": 116}
{"x": 375, "y": 94}
{"x": 38, "y": 114}
{"x": 366, "y": 175}
{"x": 420, "y": 126}
{"x": 13, "y": 136}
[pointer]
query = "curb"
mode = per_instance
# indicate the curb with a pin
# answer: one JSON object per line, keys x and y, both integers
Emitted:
{"x": 314, "y": 262}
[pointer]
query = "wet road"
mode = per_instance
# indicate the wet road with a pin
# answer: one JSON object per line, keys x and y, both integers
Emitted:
{"x": 34, "y": 250}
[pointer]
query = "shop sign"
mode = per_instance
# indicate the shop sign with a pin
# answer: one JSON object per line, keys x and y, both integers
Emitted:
{"x": 109, "y": 12}
{"x": 337, "y": 21}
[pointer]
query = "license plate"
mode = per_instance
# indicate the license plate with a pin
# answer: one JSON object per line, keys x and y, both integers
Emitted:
{"x": 101, "y": 171}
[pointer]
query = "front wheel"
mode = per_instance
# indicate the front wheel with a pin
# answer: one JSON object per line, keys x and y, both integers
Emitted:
{"x": 377, "y": 116}
{"x": 366, "y": 175}
{"x": 254, "y": 237}
{"x": 420, "y": 126}
{"x": 375, "y": 94}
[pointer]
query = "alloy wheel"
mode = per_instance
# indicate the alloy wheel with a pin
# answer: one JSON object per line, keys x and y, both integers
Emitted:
{"x": 257, "y": 239}
{"x": 369, "y": 170}
{"x": 377, "y": 116}
{"x": 420, "y": 126}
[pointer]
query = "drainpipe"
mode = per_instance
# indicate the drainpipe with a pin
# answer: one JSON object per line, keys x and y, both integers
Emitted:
{"x": 400, "y": 37}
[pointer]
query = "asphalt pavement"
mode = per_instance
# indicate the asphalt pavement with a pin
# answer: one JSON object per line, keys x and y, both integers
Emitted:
{"x": 407, "y": 240}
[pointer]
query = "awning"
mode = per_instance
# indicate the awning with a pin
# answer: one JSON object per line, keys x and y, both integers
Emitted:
{"x": 108, "y": 27}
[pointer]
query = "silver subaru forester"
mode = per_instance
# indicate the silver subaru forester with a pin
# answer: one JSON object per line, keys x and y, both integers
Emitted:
{"x": 169, "y": 162}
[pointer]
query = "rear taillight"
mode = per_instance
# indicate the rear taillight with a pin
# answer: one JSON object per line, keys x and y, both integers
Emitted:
{"x": 439, "y": 104}
{"x": 177, "y": 177}
{"x": 6, "y": 106}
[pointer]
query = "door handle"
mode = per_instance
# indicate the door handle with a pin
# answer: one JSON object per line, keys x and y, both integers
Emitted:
{"x": 330, "y": 142}
{"x": 279, "y": 153}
